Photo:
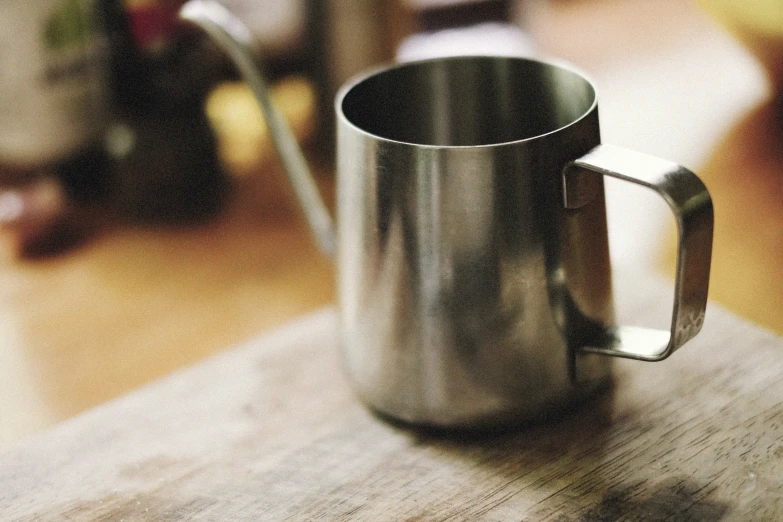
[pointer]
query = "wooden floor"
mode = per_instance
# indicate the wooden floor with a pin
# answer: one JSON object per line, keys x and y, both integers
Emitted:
{"x": 133, "y": 303}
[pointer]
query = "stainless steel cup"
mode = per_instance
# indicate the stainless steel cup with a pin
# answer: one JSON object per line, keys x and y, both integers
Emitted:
{"x": 472, "y": 258}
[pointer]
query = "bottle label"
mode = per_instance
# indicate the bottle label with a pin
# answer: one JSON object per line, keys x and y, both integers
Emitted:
{"x": 53, "y": 88}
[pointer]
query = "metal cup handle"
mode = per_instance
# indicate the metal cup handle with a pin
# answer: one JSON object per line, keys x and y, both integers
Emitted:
{"x": 691, "y": 205}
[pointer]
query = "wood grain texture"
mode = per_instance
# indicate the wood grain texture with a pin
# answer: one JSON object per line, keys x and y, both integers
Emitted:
{"x": 270, "y": 431}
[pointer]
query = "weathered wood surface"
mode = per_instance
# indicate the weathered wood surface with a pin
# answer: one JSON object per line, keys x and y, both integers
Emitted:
{"x": 270, "y": 431}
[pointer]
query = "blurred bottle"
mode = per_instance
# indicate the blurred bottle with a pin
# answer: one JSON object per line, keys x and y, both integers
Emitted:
{"x": 53, "y": 113}
{"x": 163, "y": 149}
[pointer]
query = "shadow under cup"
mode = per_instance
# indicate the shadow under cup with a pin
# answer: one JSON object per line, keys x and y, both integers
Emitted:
{"x": 468, "y": 102}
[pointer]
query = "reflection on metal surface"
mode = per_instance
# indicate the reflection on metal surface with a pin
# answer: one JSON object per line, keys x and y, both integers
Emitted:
{"x": 452, "y": 236}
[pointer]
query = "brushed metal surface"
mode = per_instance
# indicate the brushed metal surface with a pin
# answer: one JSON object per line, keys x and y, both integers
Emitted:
{"x": 460, "y": 272}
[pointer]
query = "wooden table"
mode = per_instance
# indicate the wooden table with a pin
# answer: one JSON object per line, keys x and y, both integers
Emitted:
{"x": 270, "y": 431}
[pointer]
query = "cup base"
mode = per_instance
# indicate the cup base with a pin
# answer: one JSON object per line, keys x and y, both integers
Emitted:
{"x": 598, "y": 395}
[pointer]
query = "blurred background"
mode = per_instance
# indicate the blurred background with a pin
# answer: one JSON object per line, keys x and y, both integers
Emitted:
{"x": 145, "y": 222}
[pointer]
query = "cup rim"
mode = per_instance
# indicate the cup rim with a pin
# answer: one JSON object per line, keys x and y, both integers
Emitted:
{"x": 372, "y": 72}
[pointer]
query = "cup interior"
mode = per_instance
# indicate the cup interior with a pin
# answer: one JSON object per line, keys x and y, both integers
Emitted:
{"x": 467, "y": 101}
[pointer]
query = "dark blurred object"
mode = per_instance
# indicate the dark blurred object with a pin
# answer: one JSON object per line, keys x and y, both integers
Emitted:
{"x": 37, "y": 215}
{"x": 463, "y": 27}
{"x": 164, "y": 153}
{"x": 53, "y": 113}
{"x": 436, "y": 15}
{"x": 158, "y": 63}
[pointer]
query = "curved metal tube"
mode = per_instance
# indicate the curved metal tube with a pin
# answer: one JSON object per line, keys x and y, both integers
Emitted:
{"x": 235, "y": 39}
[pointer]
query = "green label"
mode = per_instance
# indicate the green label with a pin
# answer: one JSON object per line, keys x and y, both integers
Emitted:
{"x": 71, "y": 38}
{"x": 71, "y": 25}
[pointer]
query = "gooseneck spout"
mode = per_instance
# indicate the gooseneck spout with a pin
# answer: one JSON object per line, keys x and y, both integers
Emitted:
{"x": 234, "y": 38}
